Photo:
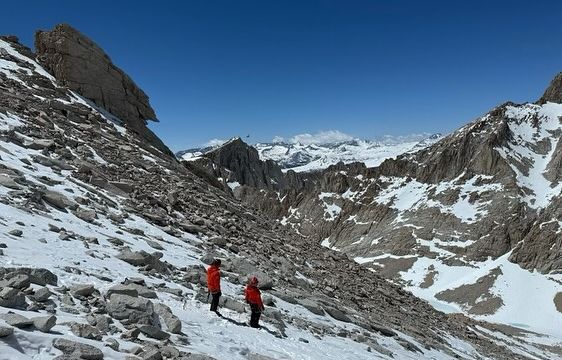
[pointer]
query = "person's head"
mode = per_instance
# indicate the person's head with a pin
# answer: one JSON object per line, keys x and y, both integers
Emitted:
{"x": 216, "y": 262}
{"x": 253, "y": 281}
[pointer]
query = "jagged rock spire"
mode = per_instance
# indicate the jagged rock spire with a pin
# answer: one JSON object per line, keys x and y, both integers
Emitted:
{"x": 81, "y": 65}
{"x": 553, "y": 92}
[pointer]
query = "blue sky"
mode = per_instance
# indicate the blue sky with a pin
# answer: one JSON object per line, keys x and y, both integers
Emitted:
{"x": 216, "y": 69}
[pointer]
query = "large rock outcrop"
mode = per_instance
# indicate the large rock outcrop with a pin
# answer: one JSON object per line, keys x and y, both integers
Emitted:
{"x": 236, "y": 162}
{"x": 553, "y": 92}
{"x": 81, "y": 65}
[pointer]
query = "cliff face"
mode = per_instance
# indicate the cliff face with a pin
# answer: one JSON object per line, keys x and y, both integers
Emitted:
{"x": 80, "y": 65}
{"x": 553, "y": 92}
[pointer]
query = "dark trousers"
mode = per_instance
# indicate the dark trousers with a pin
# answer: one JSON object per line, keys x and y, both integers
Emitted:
{"x": 215, "y": 301}
{"x": 255, "y": 316}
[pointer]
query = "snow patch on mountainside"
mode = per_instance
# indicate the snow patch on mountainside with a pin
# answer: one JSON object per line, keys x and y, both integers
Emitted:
{"x": 531, "y": 124}
{"x": 11, "y": 68}
{"x": 528, "y": 297}
{"x": 410, "y": 195}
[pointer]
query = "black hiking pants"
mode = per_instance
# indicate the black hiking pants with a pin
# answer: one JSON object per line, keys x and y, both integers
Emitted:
{"x": 215, "y": 301}
{"x": 255, "y": 316}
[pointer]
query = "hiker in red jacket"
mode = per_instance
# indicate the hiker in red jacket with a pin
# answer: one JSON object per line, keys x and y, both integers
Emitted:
{"x": 253, "y": 297}
{"x": 214, "y": 283}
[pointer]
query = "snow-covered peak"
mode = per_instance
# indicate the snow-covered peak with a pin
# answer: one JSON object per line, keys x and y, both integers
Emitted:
{"x": 308, "y": 157}
{"x": 308, "y": 153}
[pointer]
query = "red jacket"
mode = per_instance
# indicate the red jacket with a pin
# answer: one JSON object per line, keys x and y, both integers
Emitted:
{"x": 253, "y": 296}
{"x": 213, "y": 279}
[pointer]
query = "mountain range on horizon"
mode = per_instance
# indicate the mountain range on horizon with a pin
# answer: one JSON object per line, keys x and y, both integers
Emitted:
{"x": 316, "y": 152}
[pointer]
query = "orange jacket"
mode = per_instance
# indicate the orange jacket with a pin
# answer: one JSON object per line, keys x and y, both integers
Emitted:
{"x": 253, "y": 296}
{"x": 213, "y": 279}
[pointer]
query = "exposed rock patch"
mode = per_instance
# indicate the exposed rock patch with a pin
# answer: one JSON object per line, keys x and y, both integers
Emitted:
{"x": 558, "y": 301}
{"x": 475, "y": 297}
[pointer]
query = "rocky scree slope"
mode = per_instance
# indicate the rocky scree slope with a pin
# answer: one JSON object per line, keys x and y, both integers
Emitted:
{"x": 104, "y": 237}
{"x": 479, "y": 205}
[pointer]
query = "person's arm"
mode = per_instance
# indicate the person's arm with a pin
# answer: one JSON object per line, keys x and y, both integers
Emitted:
{"x": 208, "y": 280}
{"x": 218, "y": 280}
{"x": 260, "y": 301}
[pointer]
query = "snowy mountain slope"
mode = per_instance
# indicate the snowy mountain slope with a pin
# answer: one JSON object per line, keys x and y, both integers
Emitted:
{"x": 433, "y": 226}
{"x": 94, "y": 263}
{"x": 317, "y": 156}
{"x": 469, "y": 223}
{"x": 101, "y": 211}
{"x": 309, "y": 157}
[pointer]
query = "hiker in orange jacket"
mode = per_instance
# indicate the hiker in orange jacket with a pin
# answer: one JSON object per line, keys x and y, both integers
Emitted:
{"x": 253, "y": 297}
{"x": 214, "y": 283}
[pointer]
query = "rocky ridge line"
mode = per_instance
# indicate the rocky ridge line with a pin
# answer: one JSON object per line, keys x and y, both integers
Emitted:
{"x": 81, "y": 65}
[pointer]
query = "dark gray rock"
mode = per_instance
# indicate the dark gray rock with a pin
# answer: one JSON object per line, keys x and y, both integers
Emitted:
{"x": 170, "y": 352}
{"x": 58, "y": 200}
{"x": 207, "y": 259}
{"x": 116, "y": 241}
{"x": 123, "y": 290}
{"x": 132, "y": 289}
{"x": 143, "y": 291}
{"x": 16, "y": 320}
{"x": 232, "y": 304}
{"x": 44, "y": 323}
{"x": 219, "y": 241}
{"x": 311, "y": 306}
{"x": 18, "y": 281}
{"x": 112, "y": 344}
{"x": 82, "y": 290}
{"x": 337, "y": 314}
{"x": 151, "y": 354}
{"x": 553, "y": 92}
{"x": 248, "y": 270}
{"x": 41, "y": 295}
{"x": 132, "y": 309}
{"x": 142, "y": 258}
{"x": 173, "y": 323}
{"x": 153, "y": 332}
{"x": 85, "y": 331}
{"x": 85, "y": 214}
{"x": 6, "y": 331}
{"x": 155, "y": 245}
{"x": 12, "y": 298}
{"x": 37, "y": 276}
{"x": 78, "y": 350}
{"x": 101, "y": 322}
{"x": 16, "y": 232}
{"x": 8, "y": 182}
{"x": 383, "y": 330}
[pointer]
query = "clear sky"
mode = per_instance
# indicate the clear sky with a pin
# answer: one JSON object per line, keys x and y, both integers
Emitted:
{"x": 217, "y": 69}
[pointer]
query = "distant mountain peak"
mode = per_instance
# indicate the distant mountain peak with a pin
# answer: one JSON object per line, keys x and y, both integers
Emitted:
{"x": 316, "y": 152}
